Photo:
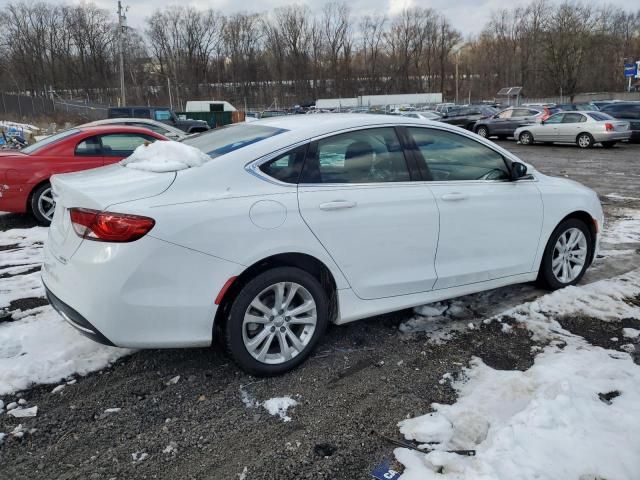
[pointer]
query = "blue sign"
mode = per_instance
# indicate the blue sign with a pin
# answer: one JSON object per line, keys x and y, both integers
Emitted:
{"x": 630, "y": 69}
{"x": 385, "y": 472}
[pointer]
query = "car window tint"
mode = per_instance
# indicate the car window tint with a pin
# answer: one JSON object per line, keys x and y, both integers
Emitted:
{"x": 162, "y": 115}
{"x": 89, "y": 147}
{"x": 557, "y": 118}
{"x": 363, "y": 156}
{"x": 120, "y": 112}
{"x": 505, "y": 114}
{"x": 286, "y": 167}
{"x": 573, "y": 118}
{"x": 523, "y": 112}
{"x": 123, "y": 144}
{"x": 600, "y": 116}
{"x": 141, "y": 113}
{"x": 450, "y": 156}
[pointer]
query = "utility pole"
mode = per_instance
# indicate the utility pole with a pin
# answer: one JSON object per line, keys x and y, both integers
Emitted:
{"x": 121, "y": 29}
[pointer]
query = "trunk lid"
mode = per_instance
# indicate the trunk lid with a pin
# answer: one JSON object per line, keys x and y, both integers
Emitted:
{"x": 620, "y": 126}
{"x": 97, "y": 189}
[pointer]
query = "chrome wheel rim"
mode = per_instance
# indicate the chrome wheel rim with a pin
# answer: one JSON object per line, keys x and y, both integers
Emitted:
{"x": 279, "y": 323}
{"x": 569, "y": 255}
{"x": 46, "y": 204}
{"x": 584, "y": 141}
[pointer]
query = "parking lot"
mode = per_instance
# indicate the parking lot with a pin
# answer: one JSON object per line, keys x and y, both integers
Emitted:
{"x": 363, "y": 379}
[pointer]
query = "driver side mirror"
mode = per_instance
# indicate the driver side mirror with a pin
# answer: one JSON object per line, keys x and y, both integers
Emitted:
{"x": 518, "y": 170}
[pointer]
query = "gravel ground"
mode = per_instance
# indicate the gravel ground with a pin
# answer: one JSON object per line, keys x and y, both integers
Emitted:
{"x": 364, "y": 376}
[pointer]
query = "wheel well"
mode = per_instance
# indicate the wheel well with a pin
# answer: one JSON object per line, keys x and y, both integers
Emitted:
{"x": 583, "y": 133}
{"x": 590, "y": 223}
{"x": 30, "y": 196}
{"x": 300, "y": 260}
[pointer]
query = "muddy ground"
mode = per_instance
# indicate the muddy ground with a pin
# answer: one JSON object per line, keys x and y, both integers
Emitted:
{"x": 364, "y": 376}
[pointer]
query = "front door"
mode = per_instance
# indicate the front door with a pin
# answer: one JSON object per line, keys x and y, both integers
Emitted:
{"x": 570, "y": 127}
{"x": 380, "y": 227}
{"x": 548, "y": 132}
{"x": 489, "y": 226}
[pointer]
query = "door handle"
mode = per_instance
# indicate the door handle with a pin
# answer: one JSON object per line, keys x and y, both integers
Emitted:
{"x": 337, "y": 205}
{"x": 454, "y": 197}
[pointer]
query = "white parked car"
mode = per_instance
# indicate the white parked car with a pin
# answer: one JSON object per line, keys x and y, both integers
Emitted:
{"x": 585, "y": 129}
{"x": 153, "y": 125}
{"x": 298, "y": 221}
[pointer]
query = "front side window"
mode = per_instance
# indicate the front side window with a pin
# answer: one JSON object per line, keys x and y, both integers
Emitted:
{"x": 123, "y": 144}
{"x": 505, "y": 114}
{"x": 162, "y": 115}
{"x": 363, "y": 156}
{"x": 557, "y": 118}
{"x": 89, "y": 147}
{"x": 451, "y": 157}
{"x": 141, "y": 113}
{"x": 286, "y": 167}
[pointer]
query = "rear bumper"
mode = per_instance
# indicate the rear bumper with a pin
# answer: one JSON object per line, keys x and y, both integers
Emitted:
{"x": 143, "y": 294}
{"x": 76, "y": 320}
{"x": 612, "y": 136}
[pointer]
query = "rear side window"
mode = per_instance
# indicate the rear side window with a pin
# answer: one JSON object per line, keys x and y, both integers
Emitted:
{"x": 162, "y": 115}
{"x": 123, "y": 144}
{"x": 119, "y": 113}
{"x": 451, "y": 157}
{"x": 286, "y": 167}
{"x": 364, "y": 156}
{"x": 141, "y": 113}
{"x": 573, "y": 118}
{"x": 600, "y": 116}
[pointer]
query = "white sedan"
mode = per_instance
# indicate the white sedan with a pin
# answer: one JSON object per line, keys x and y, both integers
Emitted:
{"x": 585, "y": 129}
{"x": 297, "y": 221}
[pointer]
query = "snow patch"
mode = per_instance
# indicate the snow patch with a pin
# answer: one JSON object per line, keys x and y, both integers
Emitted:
{"x": 631, "y": 332}
{"x": 278, "y": 406}
{"x": 625, "y": 229}
{"x": 23, "y": 412}
{"x": 165, "y": 156}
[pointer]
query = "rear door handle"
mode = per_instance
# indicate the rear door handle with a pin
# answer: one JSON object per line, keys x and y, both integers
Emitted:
{"x": 454, "y": 197}
{"x": 337, "y": 205}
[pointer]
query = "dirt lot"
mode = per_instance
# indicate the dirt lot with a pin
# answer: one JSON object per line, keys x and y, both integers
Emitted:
{"x": 364, "y": 376}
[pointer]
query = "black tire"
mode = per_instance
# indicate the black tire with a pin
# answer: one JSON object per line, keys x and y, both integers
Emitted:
{"x": 34, "y": 204}
{"x": 608, "y": 144}
{"x": 584, "y": 140}
{"x": 483, "y": 131}
{"x": 526, "y": 138}
{"x": 546, "y": 277}
{"x": 232, "y": 330}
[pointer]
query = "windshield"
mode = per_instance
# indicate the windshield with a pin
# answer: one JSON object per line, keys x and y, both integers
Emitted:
{"x": 231, "y": 137}
{"x": 52, "y": 139}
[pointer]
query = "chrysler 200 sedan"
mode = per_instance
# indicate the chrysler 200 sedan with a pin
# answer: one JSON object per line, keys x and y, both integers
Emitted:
{"x": 296, "y": 222}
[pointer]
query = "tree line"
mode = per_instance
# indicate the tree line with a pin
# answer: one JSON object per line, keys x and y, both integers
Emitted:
{"x": 292, "y": 55}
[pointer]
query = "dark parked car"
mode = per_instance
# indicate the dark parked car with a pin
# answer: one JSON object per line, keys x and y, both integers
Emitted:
{"x": 576, "y": 107}
{"x": 504, "y": 123}
{"x": 629, "y": 111}
{"x": 466, "y": 117}
{"x": 161, "y": 114}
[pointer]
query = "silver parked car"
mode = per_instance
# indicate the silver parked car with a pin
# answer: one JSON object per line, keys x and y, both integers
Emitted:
{"x": 585, "y": 129}
{"x": 158, "y": 127}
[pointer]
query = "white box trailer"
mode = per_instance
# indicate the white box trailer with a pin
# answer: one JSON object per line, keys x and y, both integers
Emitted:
{"x": 206, "y": 106}
{"x": 400, "y": 99}
{"x": 331, "y": 103}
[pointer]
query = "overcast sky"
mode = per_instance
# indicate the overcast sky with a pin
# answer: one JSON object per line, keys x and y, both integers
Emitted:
{"x": 468, "y": 16}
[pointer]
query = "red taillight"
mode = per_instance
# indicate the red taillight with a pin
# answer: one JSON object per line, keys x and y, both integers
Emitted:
{"x": 608, "y": 127}
{"x": 109, "y": 227}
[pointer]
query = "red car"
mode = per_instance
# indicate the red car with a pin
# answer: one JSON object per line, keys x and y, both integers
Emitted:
{"x": 24, "y": 174}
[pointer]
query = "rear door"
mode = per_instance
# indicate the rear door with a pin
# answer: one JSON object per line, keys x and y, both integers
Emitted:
{"x": 571, "y": 126}
{"x": 489, "y": 226}
{"x": 358, "y": 197}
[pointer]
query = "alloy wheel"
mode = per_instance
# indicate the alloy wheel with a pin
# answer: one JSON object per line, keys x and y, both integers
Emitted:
{"x": 584, "y": 141}
{"x": 525, "y": 138}
{"x": 46, "y": 204}
{"x": 569, "y": 255}
{"x": 279, "y": 323}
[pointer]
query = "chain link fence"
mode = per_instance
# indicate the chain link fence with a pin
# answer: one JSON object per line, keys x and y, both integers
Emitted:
{"x": 26, "y": 106}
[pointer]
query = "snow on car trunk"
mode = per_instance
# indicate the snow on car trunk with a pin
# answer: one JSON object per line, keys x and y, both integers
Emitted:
{"x": 165, "y": 157}
{"x": 574, "y": 414}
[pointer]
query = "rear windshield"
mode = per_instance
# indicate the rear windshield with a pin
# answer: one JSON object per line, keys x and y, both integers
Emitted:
{"x": 600, "y": 116}
{"x": 51, "y": 139}
{"x": 231, "y": 137}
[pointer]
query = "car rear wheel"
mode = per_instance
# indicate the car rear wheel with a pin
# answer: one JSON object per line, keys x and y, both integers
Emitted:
{"x": 42, "y": 204}
{"x": 526, "y": 138}
{"x": 483, "y": 132}
{"x": 608, "y": 144}
{"x": 584, "y": 140}
{"x": 567, "y": 255}
{"x": 276, "y": 321}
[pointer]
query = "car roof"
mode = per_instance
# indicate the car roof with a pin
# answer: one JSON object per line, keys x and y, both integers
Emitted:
{"x": 115, "y": 129}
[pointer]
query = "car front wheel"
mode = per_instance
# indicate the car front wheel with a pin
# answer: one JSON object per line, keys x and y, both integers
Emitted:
{"x": 276, "y": 321}
{"x": 567, "y": 255}
{"x": 526, "y": 138}
{"x": 42, "y": 204}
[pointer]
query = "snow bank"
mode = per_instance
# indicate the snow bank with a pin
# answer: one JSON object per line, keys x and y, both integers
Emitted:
{"x": 574, "y": 414}
{"x": 166, "y": 156}
{"x": 43, "y": 349}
